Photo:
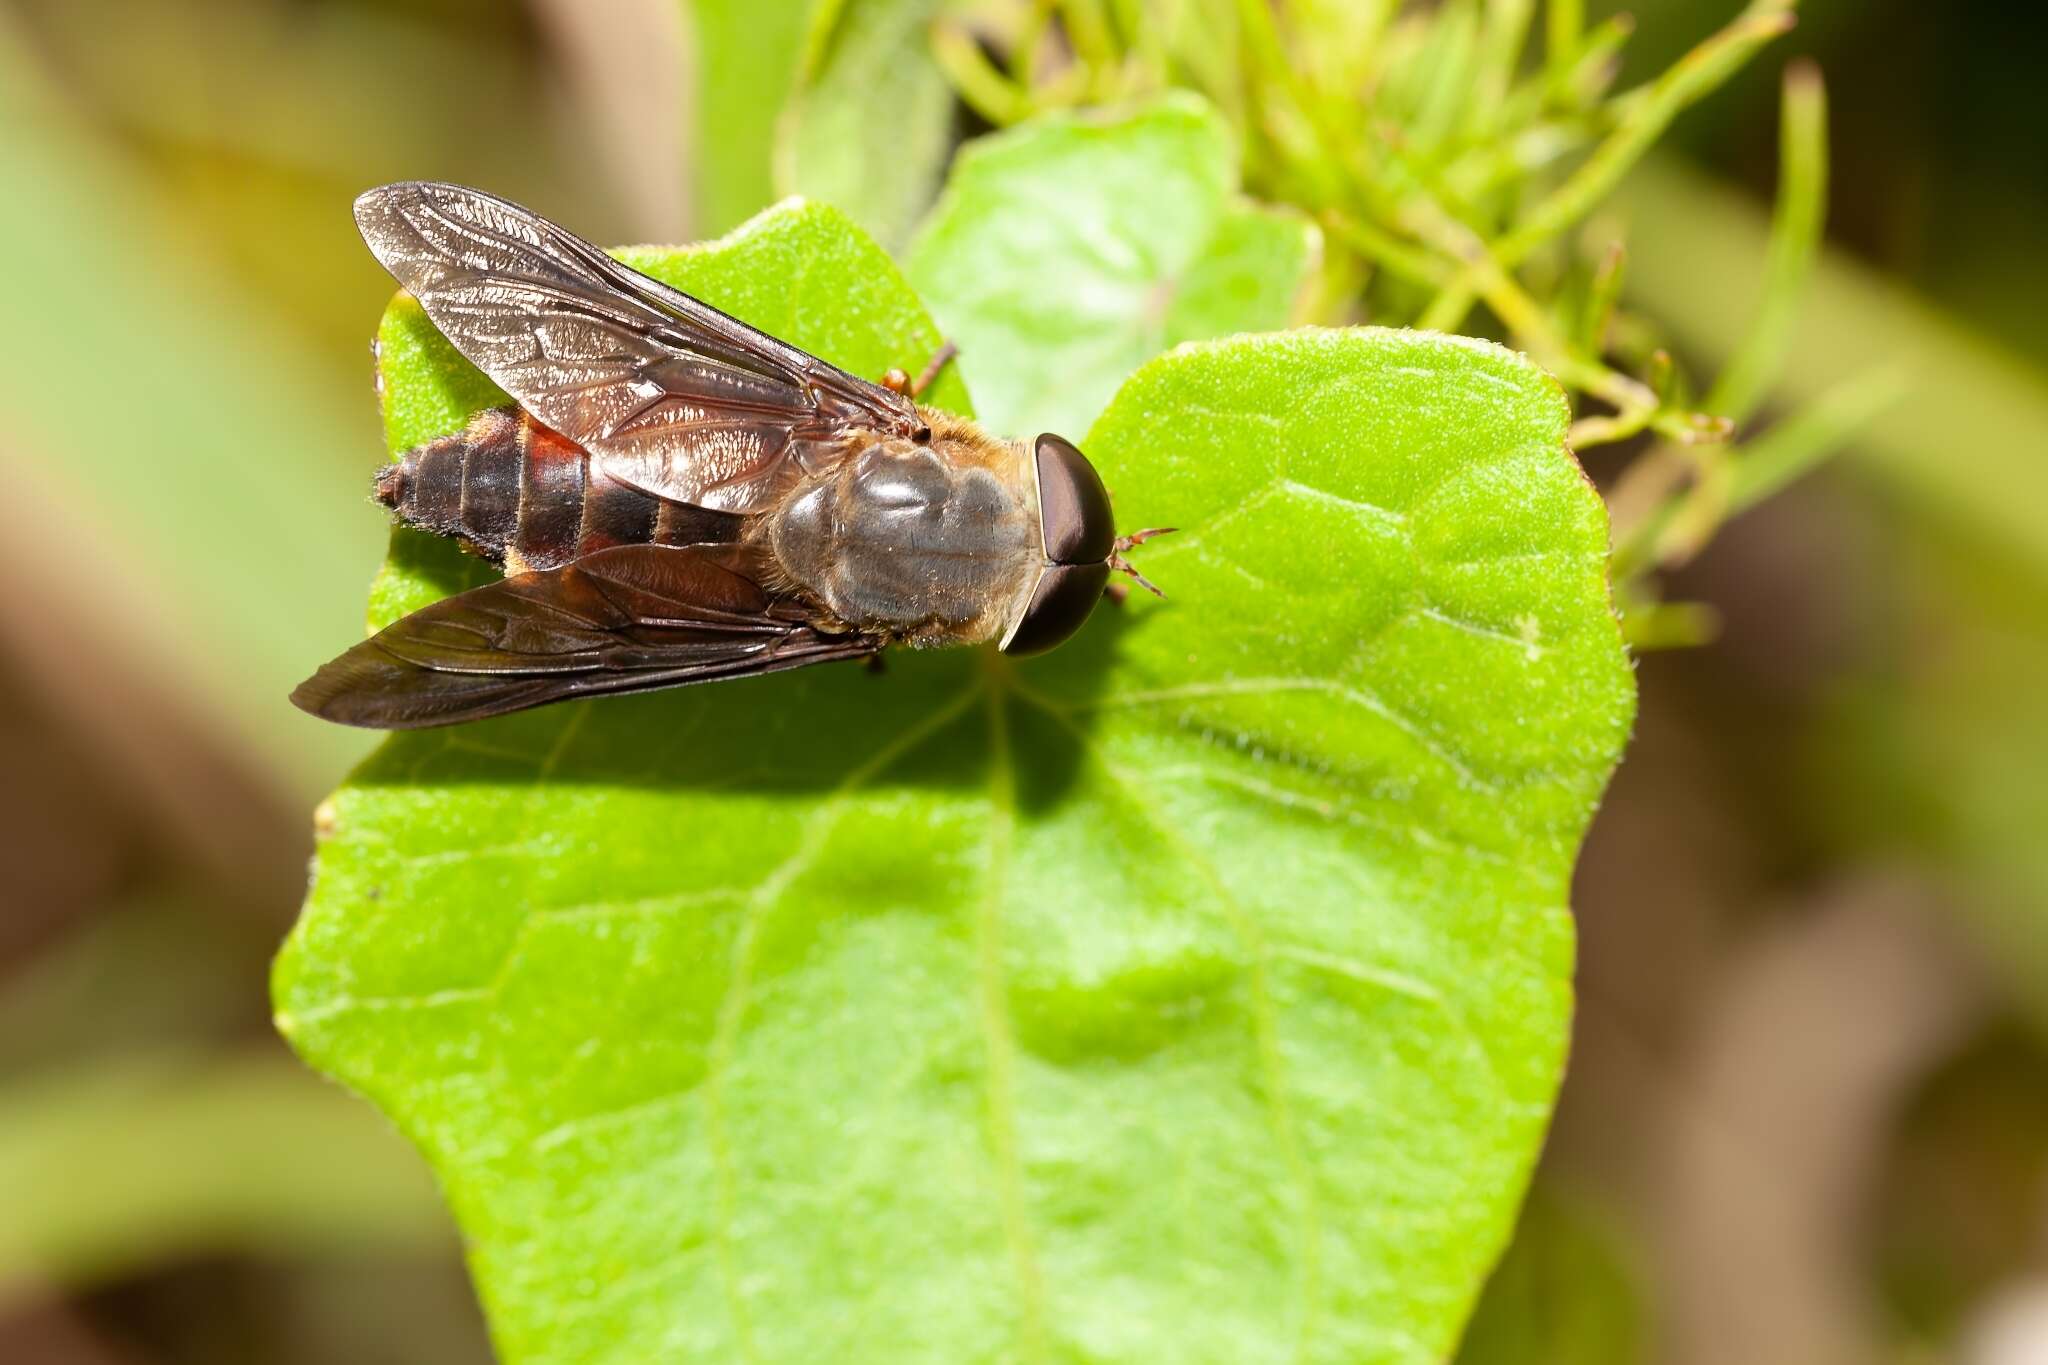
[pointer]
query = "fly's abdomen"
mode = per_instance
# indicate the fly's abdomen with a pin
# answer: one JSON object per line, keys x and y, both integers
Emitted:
{"x": 525, "y": 497}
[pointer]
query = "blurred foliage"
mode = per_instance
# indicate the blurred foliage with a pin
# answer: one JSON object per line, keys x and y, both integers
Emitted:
{"x": 748, "y": 53}
{"x": 1950, "y": 1233}
{"x": 109, "y": 481}
{"x": 152, "y": 1153}
{"x": 1873, "y": 700}
{"x": 873, "y": 147}
{"x": 1939, "y": 175}
{"x": 1943, "y": 755}
{"x": 1564, "y": 1293}
{"x": 1960, "y": 435}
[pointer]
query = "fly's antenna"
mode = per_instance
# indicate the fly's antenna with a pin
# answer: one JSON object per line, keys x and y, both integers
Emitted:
{"x": 1132, "y": 541}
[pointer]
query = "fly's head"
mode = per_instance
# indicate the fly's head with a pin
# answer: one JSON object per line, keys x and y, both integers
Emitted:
{"x": 1082, "y": 548}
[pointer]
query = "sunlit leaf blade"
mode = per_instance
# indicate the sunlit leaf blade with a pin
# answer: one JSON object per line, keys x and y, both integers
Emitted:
{"x": 1197, "y": 992}
{"x": 1066, "y": 252}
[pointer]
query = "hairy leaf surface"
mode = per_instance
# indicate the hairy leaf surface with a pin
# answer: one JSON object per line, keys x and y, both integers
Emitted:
{"x": 1197, "y": 992}
{"x": 870, "y": 122}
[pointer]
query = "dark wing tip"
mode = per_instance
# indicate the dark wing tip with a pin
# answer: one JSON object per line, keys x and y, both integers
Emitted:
{"x": 349, "y": 689}
{"x": 627, "y": 619}
{"x": 367, "y": 687}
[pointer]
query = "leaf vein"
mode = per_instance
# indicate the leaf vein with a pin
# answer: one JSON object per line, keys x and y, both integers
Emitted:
{"x": 1526, "y": 644}
{"x": 1370, "y": 511}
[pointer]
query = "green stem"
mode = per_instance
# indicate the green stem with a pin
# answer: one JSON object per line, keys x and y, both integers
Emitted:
{"x": 1027, "y": 42}
{"x": 1601, "y": 297}
{"x": 1088, "y": 29}
{"x": 1795, "y": 445}
{"x": 1697, "y": 74}
{"x": 1501, "y": 38}
{"x": 978, "y": 81}
{"x": 1651, "y": 625}
{"x": 1579, "y": 84}
{"x": 1796, "y": 229}
{"x": 1385, "y": 250}
{"x": 1563, "y": 21}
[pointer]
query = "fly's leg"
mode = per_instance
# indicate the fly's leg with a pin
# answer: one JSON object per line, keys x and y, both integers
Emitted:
{"x": 1117, "y": 593}
{"x": 899, "y": 380}
{"x": 930, "y": 373}
{"x": 875, "y": 664}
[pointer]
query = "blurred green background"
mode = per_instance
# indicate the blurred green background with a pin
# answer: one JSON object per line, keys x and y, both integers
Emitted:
{"x": 1807, "y": 1116}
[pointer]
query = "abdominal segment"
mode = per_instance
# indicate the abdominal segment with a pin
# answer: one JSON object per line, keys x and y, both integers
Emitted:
{"x": 527, "y": 498}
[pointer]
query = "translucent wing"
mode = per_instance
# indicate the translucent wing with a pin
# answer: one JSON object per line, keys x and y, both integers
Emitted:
{"x": 672, "y": 396}
{"x": 621, "y": 620}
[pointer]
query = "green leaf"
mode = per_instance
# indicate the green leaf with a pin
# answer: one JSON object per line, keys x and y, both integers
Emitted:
{"x": 869, "y": 125}
{"x": 1067, "y": 251}
{"x": 747, "y": 56}
{"x": 1196, "y": 992}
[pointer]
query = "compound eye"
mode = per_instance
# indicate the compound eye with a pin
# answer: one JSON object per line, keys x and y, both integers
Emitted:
{"x": 1073, "y": 506}
{"x": 1065, "y": 595}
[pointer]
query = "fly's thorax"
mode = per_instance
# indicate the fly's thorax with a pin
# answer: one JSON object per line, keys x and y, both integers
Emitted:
{"x": 931, "y": 543}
